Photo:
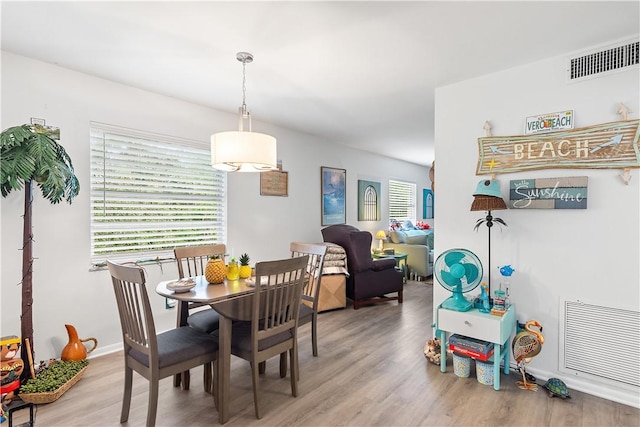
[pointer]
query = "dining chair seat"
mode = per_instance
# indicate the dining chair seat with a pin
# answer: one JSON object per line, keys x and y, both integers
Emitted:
{"x": 241, "y": 339}
{"x": 176, "y": 345}
{"x": 206, "y": 320}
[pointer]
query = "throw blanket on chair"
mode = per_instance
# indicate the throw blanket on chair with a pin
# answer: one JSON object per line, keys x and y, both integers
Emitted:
{"x": 335, "y": 260}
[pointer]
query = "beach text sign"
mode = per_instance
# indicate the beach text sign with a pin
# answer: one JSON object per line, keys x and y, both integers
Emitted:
{"x": 548, "y": 193}
{"x": 605, "y": 146}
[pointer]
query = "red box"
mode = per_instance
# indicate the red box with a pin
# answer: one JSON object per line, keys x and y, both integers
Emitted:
{"x": 471, "y": 353}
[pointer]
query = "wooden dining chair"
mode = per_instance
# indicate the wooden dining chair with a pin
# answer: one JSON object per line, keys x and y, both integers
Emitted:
{"x": 192, "y": 261}
{"x": 311, "y": 289}
{"x": 310, "y": 293}
{"x": 273, "y": 328}
{"x": 150, "y": 355}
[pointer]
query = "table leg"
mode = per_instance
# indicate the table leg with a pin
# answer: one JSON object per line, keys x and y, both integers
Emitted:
{"x": 506, "y": 359}
{"x": 496, "y": 366}
{"x": 224, "y": 368}
{"x": 443, "y": 351}
{"x": 405, "y": 270}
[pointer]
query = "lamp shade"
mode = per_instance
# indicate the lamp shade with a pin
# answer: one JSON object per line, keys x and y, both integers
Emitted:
{"x": 380, "y": 234}
{"x": 488, "y": 196}
{"x": 241, "y": 151}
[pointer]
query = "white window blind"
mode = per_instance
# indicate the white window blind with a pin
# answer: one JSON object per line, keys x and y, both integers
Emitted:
{"x": 402, "y": 201}
{"x": 151, "y": 193}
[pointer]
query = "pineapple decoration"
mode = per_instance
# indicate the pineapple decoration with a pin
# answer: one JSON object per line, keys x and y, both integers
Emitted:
{"x": 245, "y": 268}
{"x": 215, "y": 272}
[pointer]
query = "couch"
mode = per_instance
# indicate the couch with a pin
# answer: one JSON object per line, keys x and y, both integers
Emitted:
{"x": 370, "y": 281}
{"x": 418, "y": 245}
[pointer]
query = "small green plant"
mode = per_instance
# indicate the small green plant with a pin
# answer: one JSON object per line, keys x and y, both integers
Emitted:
{"x": 54, "y": 376}
{"x": 244, "y": 259}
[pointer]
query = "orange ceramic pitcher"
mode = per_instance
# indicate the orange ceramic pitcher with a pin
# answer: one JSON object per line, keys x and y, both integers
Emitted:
{"x": 75, "y": 349}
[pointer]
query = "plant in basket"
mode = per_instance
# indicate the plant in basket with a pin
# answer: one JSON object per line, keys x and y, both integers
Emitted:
{"x": 52, "y": 380}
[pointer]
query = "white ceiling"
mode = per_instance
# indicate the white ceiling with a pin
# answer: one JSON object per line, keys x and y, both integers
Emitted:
{"x": 357, "y": 73}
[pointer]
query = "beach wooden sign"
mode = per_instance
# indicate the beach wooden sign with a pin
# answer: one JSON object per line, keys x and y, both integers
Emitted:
{"x": 606, "y": 146}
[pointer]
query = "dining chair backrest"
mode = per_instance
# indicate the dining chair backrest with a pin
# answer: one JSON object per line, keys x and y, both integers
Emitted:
{"x": 316, "y": 253}
{"x": 192, "y": 261}
{"x": 136, "y": 319}
{"x": 277, "y": 297}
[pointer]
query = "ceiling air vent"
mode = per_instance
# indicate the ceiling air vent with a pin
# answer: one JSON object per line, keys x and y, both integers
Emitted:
{"x": 603, "y": 61}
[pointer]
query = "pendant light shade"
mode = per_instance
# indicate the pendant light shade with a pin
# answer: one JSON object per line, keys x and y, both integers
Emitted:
{"x": 239, "y": 151}
{"x": 243, "y": 150}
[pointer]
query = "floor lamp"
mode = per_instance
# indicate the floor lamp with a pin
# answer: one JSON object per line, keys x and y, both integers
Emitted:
{"x": 488, "y": 197}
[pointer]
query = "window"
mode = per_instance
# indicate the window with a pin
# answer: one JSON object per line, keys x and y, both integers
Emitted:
{"x": 402, "y": 201}
{"x": 151, "y": 193}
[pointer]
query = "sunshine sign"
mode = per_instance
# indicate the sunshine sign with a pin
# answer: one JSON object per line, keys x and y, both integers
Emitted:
{"x": 606, "y": 146}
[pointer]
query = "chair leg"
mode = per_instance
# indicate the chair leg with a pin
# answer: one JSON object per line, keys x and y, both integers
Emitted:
{"x": 314, "y": 338}
{"x": 177, "y": 380}
{"x": 207, "y": 377}
{"x": 186, "y": 380}
{"x": 262, "y": 367}
{"x": 294, "y": 371}
{"x": 283, "y": 364}
{"x": 400, "y": 296}
{"x": 153, "y": 401}
{"x": 254, "y": 377}
{"x": 126, "y": 398}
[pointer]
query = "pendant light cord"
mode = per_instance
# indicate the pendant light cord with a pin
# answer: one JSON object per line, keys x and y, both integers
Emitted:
{"x": 244, "y": 87}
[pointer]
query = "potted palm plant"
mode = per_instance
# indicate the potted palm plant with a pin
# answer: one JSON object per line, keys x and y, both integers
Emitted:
{"x": 27, "y": 155}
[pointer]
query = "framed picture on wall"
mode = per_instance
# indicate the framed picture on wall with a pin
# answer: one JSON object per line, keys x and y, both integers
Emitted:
{"x": 427, "y": 203}
{"x": 333, "y": 183}
{"x": 274, "y": 183}
{"x": 368, "y": 200}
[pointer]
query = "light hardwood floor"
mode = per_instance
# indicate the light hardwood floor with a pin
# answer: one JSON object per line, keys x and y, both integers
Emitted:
{"x": 371, "y": 371}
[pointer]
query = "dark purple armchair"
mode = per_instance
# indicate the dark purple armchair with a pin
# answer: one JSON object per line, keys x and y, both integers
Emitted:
{"x": 369, "y": 280}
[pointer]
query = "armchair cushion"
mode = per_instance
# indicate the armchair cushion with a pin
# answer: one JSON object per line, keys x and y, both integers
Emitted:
{"x": 383, "y": 264}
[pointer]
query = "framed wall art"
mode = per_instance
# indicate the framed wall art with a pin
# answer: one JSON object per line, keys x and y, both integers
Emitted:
{"x": 274, "y": 183}
{"x": 333, "y": 185}
{"x": 427, "y": 203}
{"x": 368, "y": 200}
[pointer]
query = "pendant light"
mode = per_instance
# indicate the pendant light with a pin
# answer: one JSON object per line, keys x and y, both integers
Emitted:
{"x": 243, "y": 150}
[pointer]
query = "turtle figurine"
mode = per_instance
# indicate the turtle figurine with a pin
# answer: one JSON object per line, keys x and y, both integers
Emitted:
{"x": 557, "y": 387}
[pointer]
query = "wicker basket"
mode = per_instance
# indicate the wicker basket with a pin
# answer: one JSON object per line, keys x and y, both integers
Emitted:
{"x": 52, "y": 396}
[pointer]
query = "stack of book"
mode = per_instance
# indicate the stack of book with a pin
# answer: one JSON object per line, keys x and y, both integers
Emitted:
{"x": 474, "y": 348}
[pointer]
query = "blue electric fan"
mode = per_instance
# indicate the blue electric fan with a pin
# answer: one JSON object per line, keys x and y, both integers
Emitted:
{"x": 458, "y": 271}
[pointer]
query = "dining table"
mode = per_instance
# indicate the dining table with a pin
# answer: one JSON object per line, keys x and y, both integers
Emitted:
{"x": 232, "y": 300}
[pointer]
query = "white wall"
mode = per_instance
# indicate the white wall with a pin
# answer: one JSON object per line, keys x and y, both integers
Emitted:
{"x": 65, "y": 291}
{"x": 591, "y": 255}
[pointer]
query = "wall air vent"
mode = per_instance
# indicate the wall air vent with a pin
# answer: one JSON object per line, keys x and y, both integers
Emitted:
{"x": 603, "y": 61}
